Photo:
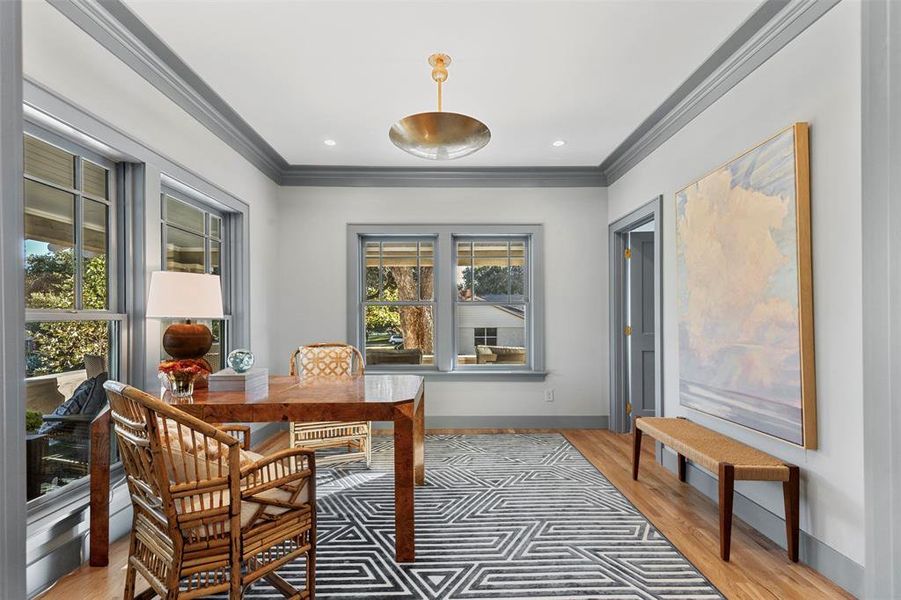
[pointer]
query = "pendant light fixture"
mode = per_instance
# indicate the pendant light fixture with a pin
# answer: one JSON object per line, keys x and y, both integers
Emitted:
{"x": 439, "y": 135}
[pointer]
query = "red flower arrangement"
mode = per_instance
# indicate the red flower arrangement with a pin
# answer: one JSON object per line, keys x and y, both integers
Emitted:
{"x": 195, "y": 366}
{"x": 182, "y": 373}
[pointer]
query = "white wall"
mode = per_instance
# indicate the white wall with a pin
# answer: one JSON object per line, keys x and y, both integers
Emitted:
{"x": 63, "y": 58}
{"x": 311, "y": 294}
{"x": 816, "y": 78}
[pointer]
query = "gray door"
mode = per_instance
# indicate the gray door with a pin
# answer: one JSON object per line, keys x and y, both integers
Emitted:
{"x": 641, "y": 320}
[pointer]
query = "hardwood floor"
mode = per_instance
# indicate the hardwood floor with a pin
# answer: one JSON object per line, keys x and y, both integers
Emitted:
{"x": 758, "y": 568}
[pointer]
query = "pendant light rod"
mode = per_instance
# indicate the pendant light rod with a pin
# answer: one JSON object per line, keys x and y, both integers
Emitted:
{"x": 439, "y": 64}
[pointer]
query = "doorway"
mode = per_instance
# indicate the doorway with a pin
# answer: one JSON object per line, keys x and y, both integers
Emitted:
{"x": 636, "y": 359}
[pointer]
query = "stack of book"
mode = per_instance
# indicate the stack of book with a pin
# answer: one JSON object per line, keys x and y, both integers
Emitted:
{"x": 227, "y": 380}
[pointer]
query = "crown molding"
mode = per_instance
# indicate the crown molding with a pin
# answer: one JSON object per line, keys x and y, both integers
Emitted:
{"x": 120, "y": 31}
{"x": 349, "y": 176}
{"x": 770, "y": 27}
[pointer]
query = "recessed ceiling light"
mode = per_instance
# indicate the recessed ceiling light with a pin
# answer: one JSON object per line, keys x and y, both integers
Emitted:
{"x": 558, "y": 143}
{"x": 329, "y": 142}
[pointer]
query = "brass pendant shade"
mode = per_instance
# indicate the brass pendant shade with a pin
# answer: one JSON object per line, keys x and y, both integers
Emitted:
{"x": 439, "y": 135}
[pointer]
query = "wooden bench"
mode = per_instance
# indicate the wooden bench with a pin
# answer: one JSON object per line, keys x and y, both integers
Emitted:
{"x": 731, "y": 461}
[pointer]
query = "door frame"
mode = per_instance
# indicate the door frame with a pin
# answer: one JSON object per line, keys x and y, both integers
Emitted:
{"x": 652, "y": 211}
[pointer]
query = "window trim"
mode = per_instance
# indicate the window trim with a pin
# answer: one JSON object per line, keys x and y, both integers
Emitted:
{"x": 114, "y": 203}
{"x": 116, "y": 273}
{"x": 226, "y": 264}
{"x": 445, "y": 296}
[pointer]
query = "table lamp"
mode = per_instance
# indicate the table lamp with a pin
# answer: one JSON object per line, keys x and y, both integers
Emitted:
{"x": 175, "y": 295}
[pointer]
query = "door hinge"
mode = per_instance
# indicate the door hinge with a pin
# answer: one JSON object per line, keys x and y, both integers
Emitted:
{"x": 628, "y": 408}
{"x": 627, "y": 330}
{"x": 628, "y": 253}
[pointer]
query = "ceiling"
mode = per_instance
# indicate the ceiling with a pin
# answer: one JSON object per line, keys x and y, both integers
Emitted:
{"x": 302, "y": 72}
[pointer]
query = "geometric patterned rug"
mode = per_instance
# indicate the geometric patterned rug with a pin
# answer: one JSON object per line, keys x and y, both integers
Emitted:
{"x": 500, "y": 516}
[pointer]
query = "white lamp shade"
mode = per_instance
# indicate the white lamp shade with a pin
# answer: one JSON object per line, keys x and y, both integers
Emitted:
{"x": 184, "y": 296}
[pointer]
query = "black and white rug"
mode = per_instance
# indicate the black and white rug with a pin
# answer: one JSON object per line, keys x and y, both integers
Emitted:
{"x": 500, "y": 516}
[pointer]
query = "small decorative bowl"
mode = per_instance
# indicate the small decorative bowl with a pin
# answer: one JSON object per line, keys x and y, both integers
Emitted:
{"x": 241, "y": 360}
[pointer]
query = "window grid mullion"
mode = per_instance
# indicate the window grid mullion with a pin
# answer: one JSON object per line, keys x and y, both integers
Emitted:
{"x": 381, "y": 270}
{"x": 79, "y": 236}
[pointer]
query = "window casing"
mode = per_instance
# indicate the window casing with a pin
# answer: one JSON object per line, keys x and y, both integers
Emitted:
{"x": 74, "y": 313}
{"x": 194, "y": 240}
{"x": 486, "y": 297}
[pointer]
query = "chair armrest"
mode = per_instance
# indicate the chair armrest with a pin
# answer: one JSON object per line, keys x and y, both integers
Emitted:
{"x": 239, "y": 432}
{"x": 68, "y": 418}
{"x": 282, "y": 468}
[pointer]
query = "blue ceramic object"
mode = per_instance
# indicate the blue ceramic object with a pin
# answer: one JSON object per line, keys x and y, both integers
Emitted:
{"x": 240, "y": 360}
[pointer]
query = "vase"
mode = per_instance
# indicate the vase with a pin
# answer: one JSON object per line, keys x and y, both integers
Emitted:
{"x": 181, "y": 384}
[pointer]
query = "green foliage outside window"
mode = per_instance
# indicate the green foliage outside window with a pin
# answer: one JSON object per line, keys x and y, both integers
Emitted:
{"x": 60, "y": 346}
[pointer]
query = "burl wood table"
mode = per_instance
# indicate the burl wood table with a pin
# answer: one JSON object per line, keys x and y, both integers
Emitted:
{"x": 397, "y": 398}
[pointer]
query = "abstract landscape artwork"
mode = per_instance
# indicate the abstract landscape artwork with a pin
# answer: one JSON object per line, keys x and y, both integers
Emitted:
{"x": 745, "y": 291}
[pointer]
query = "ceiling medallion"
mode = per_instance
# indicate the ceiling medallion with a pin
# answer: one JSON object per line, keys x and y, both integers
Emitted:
{"x": 439, "y": 135}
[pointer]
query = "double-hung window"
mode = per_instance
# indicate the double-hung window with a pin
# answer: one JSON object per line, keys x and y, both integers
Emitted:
{"x": 73, "y": 304}
{"x": 398, "y": 300}
{"x": 447, "y": 298}
{"x": 193, "y": 241}
{"x": 491, "y": 281}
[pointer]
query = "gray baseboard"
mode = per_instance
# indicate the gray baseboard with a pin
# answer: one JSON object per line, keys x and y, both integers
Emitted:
{"x": 823, "y": 558}
{"x": 508, "y": 422}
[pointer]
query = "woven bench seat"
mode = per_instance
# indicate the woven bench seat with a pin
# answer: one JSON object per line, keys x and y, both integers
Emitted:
{"x": 708, "y": 449}
{"x": 730, "y": 460}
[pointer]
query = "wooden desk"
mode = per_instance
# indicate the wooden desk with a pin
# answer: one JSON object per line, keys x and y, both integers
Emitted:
{"x": 397, "y": 398}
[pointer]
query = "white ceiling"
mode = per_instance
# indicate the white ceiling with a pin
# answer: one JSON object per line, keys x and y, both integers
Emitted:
{"x": 301, "y": 72}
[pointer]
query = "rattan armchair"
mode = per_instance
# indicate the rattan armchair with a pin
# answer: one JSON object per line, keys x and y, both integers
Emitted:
{"x": 188, "y": 538}
{"x": 333, "y": 361}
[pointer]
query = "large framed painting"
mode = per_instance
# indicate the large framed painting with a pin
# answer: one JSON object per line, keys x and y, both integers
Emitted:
{"x": 745, "y": 291}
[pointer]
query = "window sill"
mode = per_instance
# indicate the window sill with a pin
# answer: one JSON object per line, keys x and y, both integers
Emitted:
{"x": 466, "y": 374}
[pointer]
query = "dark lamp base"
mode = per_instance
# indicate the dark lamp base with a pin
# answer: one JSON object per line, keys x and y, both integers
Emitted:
{"x": 187, "y": 340}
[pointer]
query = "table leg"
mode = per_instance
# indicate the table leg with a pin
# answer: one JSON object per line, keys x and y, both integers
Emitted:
{"x": 100, "y": 448}
{"x": 419, "y": 441}
{"x": 405, "y": 543}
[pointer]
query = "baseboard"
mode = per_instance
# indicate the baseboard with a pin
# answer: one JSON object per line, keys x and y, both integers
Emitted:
{"x": 506, "y": 422}
{"x": 823, "y": 558}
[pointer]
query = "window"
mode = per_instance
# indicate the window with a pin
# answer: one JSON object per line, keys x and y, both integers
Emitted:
{"x": 447, "y": 298}
{"x": 73, "y": 320}
{"x": 399, "y": 301}
{"x": 491, "y": 285}
{"x": 193, "y": 242}
{"x": 485, "y": 336}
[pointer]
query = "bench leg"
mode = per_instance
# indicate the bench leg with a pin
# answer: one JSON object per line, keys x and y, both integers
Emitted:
{"x": 727, "y": 490}
{"x": 636, "y": 450}
{"x": 791, "y": 492}
{"x": 681, "y": 468}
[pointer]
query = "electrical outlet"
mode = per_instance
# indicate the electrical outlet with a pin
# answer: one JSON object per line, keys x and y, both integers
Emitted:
{"x": 549, "y": 395}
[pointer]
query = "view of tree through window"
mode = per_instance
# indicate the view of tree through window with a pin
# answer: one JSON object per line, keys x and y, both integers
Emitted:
{"x": 70, "y": 332}
{"x": 60, "y": 346}
{"x": 450, "y": 297}
{"x": 399, "y": 312}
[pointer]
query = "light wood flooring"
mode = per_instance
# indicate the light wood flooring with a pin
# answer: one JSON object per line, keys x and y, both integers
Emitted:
{"x": 758, "y": 567}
